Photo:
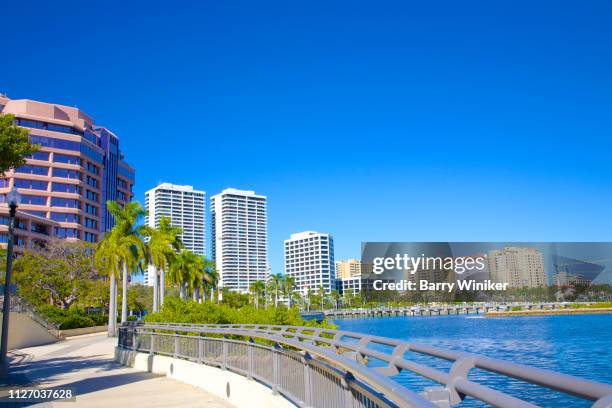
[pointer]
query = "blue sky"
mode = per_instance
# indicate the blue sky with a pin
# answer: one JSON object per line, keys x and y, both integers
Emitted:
{"x": 395, "y": 120}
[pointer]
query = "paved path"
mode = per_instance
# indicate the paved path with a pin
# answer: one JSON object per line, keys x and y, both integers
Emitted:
{"x": 86, "y": 364}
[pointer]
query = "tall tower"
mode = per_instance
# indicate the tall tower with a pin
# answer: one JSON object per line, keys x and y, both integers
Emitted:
{"x": 239, "y": 222}
{"x": 309, "y": 258}
{"x": 186, "y": 209}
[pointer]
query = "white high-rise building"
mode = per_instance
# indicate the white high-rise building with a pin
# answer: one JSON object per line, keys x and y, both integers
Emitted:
{"x": 309, "y": 258}
{"x": 239, "y": 222}
{"x": 186, "y": 209}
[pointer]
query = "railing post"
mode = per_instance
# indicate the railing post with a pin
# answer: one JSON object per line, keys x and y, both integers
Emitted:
{"x": 346, "y": 384}
{"x": 225, "y": 353}
{"x": 177, "y": 345}
{"x": 276, "y": 369}
{"x": 152, "y": 347}
{"x": 200, "y": 350}
{"x": 307, "y": 381}
{"x": 134, "y": 339}
{"x": 250, "y": 358}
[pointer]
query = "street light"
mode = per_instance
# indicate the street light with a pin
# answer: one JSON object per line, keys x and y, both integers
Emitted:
{"x": 13, "y": 199}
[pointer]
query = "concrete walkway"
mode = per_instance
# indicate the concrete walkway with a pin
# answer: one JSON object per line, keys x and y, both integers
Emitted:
{"x": 87, "y": 365}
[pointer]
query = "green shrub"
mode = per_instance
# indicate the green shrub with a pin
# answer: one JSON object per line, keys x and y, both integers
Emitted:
{"x": 75, "y": 321}
{"x": 187, "y": 311}
{"x": 72, "y": 318}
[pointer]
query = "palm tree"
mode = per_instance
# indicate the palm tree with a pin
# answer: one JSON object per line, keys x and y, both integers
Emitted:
{"x": 322, "y": 296}
{"x": 186, "y": 268}
{"x": 211, "y": 277}
{"x": 275, "y": 283}
{"x": 288, "y": 288}
{"x": 122, "y": 249}
{"x": 257, "y": 288}
{"x": 336, "y": 296}
{"x": 163, "y": 242}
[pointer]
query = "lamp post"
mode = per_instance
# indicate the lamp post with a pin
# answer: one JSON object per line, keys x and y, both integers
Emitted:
{"x": 14, "y": 199}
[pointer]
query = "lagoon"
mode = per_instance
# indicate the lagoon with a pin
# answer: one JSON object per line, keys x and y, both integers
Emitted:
{"x": 579, "y": 345}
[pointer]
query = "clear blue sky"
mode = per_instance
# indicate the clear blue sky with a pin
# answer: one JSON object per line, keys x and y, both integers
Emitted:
{"x": 392, "y": 120}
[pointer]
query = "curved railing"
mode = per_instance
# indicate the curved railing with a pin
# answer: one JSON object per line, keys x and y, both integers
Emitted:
{"x": 297, "y": 361}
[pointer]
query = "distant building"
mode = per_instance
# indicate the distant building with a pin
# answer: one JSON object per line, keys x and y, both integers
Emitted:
{"x": 568, "y": 279}
{"x": 239, "y": 223}
{"x": 185, "y": 207}
{"x": 518, "y": 266}
{"x": 576, "y": 269}
{"x": 348, "y": 268}
{"x": 78, "y": 168}
{"x": 309, "y": 258}
{"x": 350, "y": 285}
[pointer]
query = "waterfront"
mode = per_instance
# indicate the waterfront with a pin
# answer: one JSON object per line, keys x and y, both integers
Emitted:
{"x": 579, "y": 345}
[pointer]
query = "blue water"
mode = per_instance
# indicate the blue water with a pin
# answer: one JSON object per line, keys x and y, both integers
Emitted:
{"x": 579, "y": 345}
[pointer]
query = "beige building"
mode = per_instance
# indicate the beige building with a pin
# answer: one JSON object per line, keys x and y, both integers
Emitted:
{"x": 64, "y": 186}
{"x": 517, "y": 266}
{"x": 30, "y": 231}
{"x": 349, "y": 268}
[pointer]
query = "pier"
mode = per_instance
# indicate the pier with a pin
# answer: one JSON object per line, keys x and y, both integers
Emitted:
{"x": 441, "y": 310}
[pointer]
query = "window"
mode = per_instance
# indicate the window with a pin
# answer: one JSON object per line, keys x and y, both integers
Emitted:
{"x": 64, "y": 217}
{"x": 39, "y": 228}
{"x": 65, "y": 188}
{"x": 31, "y": 184}
{"x": 32, "y": 169}
{"x": 122, "y": 184}
{"x": 90, "y": 152}
{"x": 60, "y": 128}
{"x": 91, "y": 195}
{"x": 92, "y": 182}
{"x": 121, "y": 195}
{"x": 36, "y": 124}
{"x": 91, "y": 209}
{"x": 64, "y": 202}
{"x": 66, "y": 232}
{"x": 55, "y": 143}
{"x": 89, "y": 237}
{"x": 92, "y": 138}
{"x": 92, "y": 168}
{"x": 4, "y": 183}
{"x": 33, "y": 200}
{"x": 39, "y": 156}
{"x": 66, "y": 173}
{"x": 89, "y": 223}
{"x": 66, "y": 158}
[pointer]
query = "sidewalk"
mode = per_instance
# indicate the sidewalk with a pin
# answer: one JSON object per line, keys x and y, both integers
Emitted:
{"x": 86, "y": 364}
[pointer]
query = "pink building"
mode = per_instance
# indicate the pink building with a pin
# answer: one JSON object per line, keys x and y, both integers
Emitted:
{"x": 66, "y": 184}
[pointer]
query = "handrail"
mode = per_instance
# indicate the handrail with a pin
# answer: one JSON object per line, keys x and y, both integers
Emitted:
{"x": 20, "y": 305}
{"x": 326, "y": 344}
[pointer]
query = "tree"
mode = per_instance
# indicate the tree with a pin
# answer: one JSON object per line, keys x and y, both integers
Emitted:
{"x": 275, "y": 284}
{"x": 15, "y": 144}
{"x": 163, "y": 242}
{"x": 288, "y": 288}
{"x": 336, "y": 297}
{"x": 58, "y": 274}
{"x": 121, "y": 249}
{"x": 211, "y": 277}
{"x": 257, "y": 289}
{"x": 184, "y": 270}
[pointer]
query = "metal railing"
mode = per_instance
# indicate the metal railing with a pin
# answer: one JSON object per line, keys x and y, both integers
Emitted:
{"x": 19, "y": 305}
{"x": 317, "y": 367}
